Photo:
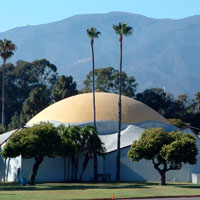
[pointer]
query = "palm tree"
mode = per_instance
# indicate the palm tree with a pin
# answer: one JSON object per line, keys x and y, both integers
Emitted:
{"x": 121, "y": 29}
{"x": 6, "y": 51}
{"x": 93, "y": 145}
{"x": 93, "y": 33}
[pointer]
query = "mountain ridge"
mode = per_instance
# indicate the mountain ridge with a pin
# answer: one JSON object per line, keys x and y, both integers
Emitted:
{"x": 160, "y": 53}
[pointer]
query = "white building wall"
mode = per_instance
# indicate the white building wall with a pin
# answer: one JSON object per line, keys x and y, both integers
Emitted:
{"x": 143, "y": 170}
{"x": 50, "y": 170}
{"x": 10, "y": 169}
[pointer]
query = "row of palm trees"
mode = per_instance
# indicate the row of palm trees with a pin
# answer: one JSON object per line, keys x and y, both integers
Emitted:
{"x": 77, "y": 141}
{"x": 122, "y": 29}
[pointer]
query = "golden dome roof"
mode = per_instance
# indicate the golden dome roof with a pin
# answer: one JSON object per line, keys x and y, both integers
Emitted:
{"x": 79, "y": 109}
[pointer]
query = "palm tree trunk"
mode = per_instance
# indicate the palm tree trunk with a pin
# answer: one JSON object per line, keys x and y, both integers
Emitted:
{"x": 93, "y": 84}
{"x": 3, "y": 96}
{"x": 68, "y": 169}
{"x": 64, "y": 162}
{"x": 95, "y": 167}
{"x": 87, "y": 158}
{"x": 119, "y": 115}
{"x": 94, "y": 109}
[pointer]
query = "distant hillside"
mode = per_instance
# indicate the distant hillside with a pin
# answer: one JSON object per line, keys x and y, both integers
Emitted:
{"x": 161, "y": 53}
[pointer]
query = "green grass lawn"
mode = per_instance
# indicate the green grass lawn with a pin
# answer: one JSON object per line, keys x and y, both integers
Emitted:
{"x": 61, "y": 191}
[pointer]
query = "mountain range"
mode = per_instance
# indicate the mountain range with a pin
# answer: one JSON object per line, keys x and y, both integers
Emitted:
{"x": 162, "y": 53}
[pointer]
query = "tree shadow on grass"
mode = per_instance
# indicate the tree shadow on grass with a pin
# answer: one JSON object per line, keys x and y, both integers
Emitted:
{"x": 71, "y": 186}
{"x": 187, "y": 186}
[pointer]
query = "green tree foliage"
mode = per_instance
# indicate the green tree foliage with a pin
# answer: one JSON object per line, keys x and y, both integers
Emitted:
{"x": 178, "y": 123}
{"x": 15, "y": 122}
{"x": 167, "y": 151}
{"x": 2, "y": 129}
{"x": 63, "y": 88}
{"x": 163, "y": 103}
{"x": 197, "y": 102}
{"x": 35, "y": 142}
{"x": 21, "y": 79}
{"x": 6, "y": 51}
{"x": 122, "y": 30}
{"x": 107, "y": 80}
{"x": 39, "y": 99}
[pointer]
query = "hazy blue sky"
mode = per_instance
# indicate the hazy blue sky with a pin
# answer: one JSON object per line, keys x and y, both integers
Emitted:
{"x": 15, "y": 13}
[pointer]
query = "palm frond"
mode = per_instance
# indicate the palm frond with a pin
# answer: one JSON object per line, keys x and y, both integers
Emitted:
{"x": 123, "y": 29}
{"x": 93, "y": 33}
{"x": 7, "y": 48}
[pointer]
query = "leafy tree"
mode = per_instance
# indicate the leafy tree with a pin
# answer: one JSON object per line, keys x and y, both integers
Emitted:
{"x": 21, "y": 79}
{"x": 2, "y": 129}
{"x": 6, "y": 51}
{"x": 15, "y": 122}
{"x": 63, "y": 88}
{"x": 197, "y": 102}
{"x": 39, "y": 99}
{"x": 183, "y": 98}
{"x": 163, "y": 103}
{"x": 107, "y": 80}
{"x": 93, "y": 33}
{"x": 35, "y": 142}
{"x": 122, "y": 30}
{"x": 167, "y": 151}
{"x": 178, "y": 123}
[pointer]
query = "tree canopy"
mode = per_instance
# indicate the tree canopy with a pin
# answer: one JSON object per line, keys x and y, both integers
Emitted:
{"x": 63, "y": 88}
{"x": 35, "y": 142}
{"x": 167, "y": 151}
{"x": 107, "y": 80}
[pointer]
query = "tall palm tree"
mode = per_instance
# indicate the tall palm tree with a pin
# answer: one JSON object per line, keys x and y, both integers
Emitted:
{"x": 6, "y": 51}
{"x": 121, "y": 29}
{"x": 93, "y": 33}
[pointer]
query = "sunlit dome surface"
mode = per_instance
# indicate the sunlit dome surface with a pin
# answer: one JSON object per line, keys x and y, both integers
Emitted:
{"x": 79, "y": 109}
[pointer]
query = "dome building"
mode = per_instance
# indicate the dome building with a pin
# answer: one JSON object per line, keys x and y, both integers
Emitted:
{"x": 78, "y": 110}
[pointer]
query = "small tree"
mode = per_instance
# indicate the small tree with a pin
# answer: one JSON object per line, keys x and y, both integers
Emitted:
{"x": 167, "y": 151}
{"x": 35, "y": 142}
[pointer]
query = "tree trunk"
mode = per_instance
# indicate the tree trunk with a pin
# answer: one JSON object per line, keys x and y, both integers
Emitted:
{"x": 68, "y": 169}
{"x": 64, "y": 160}
{"x": 162, "y": 178}
{"x": 73, "y": 165}
{"x": 38, "y": 161}
{"x": 3, "y": 95}
{"x": 95, "y": 167}
{"x": 93, "y": 84}
{"x": 94, "y": 109}
{"x": 119, "y": 116}
{"x": 76, "y": 168}
{"x": 87, "y": 158}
